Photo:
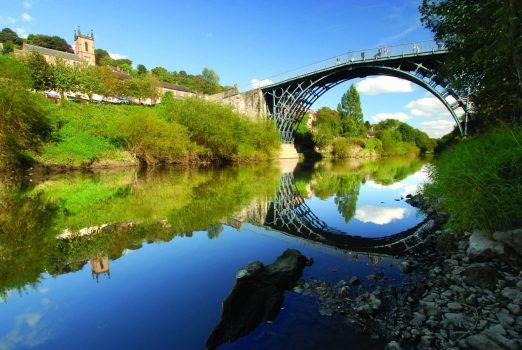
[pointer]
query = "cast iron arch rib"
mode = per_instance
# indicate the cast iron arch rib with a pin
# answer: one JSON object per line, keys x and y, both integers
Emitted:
{"x": 288, "y": 100}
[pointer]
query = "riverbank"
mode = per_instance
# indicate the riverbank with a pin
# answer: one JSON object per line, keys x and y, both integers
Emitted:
{"x": 460, "y": 291}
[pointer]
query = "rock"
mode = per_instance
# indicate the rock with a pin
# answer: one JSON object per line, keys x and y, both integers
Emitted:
{"x": 355, "y": 281}
{"x": 504, "y": 318}
{"x": 481, "y": 275}
{"x": 417, "y": 320}
{"x": 430, "y": 308}
{"x": 497, "y": 334}
{"x": 454, "y": 307}
{"x": 375, "y": 302}
{"x": 512, "y": 239}
{"x": 482, "y": 249}
{"x": 455, "y": 320}
{"x": 457, "y": 289}
{"x": 512, "y": 294}
{"x": 257, "y": 296}
{"x": 514, "y": 309}
{"x": 519, "y": 285}
{"x": 407, "y": 266}
{"x": 393, "y": 345}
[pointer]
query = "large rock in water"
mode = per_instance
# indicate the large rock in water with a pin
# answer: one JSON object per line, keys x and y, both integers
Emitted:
{"x": 257, "y": 296}
{"x": 483, "y": 249}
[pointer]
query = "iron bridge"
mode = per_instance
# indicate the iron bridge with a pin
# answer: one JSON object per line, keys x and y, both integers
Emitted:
{"x": 289, "y": 96}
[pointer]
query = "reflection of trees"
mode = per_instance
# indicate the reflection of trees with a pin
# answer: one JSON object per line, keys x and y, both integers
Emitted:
{"x": 345, "y": 188}
{"x": 343, "y": 179}
{"x": 153, "y": 207}
{"x": 394, "y": 169}
{"x": 26, "y": 237}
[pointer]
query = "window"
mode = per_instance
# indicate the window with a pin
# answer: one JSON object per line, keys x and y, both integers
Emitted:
{"x": 86, "y": 46}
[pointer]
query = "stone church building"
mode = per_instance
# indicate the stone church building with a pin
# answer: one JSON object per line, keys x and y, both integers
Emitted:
{"x": 83, "y": 51}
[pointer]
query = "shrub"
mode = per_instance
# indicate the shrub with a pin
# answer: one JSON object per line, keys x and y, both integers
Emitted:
{"x": 479, "y": 181}
{"x": 150, "y": 139}
{"x": 224, "y": 133}
{"x": 23, "y": 121}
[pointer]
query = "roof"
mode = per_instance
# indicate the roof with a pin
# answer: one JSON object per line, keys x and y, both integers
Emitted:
{"x": 174, "y": 87}
{"x": 55, "y": 53}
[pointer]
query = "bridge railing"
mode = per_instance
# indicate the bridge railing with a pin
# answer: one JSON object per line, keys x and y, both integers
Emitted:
{"x": 350, "y": 57}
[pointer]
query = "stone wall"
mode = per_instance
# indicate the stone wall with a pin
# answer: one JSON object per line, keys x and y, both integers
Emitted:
{"x": 252, "y": 103}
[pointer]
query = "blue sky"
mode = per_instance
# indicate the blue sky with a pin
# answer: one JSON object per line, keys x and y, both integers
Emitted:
{"x": 245, "y": 40}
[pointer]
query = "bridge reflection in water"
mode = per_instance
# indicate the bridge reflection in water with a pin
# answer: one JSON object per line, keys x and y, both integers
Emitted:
{"x": 290, "y": 214}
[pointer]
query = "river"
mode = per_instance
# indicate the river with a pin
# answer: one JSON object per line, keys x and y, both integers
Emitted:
{"x": 144, "y": 260}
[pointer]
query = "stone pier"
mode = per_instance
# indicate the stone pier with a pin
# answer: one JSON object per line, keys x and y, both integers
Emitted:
{"x": 288, "y": 151}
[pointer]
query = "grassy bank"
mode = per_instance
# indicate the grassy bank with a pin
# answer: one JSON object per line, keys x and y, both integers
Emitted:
{"x": 479, "y": 181}
{"x": 82, "y": 135}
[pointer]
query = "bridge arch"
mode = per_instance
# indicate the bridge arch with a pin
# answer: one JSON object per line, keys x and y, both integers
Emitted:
{"x": 288, "y": 101}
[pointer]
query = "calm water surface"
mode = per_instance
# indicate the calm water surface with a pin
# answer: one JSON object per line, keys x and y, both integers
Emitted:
{"x": 145, "y": 259}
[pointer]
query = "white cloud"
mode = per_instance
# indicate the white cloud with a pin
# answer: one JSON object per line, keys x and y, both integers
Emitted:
{"x": 21, "y": 32}
{"x": 382, "y": 85}
{"x": 437, "y": 128}
{"x": 27, "y": 4}
{"x": 7, "y": 20}
{"x": 117, "y": 56}
{"x": 427, "y": 106}
{"x": 379, "y": 216}
{"x": 383, "y": 116}
{"x": 26, "y": 17}
{"x": 260, "y": 83}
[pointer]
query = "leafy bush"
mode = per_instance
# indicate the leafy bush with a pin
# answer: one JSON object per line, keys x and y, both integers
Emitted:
{"x": 223, "y": 133}
{"x": 150, "y": 139}
{"x": 479, "y": 181}
{"x": 24, "y": 125}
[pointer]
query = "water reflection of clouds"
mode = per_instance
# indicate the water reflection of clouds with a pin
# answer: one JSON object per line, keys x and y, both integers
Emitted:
{"x": 379, "y": 215}
{"x": 29, "y": 329}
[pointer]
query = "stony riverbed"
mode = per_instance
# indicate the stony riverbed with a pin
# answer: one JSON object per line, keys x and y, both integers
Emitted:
{"x": 460, "y": 292}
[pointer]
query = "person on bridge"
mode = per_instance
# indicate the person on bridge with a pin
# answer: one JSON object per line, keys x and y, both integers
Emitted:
{"x": 415, "y": 48}
{"x": 362, "y": 55}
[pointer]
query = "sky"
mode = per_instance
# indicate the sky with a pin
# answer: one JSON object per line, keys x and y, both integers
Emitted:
{"x": 245, "y": 40}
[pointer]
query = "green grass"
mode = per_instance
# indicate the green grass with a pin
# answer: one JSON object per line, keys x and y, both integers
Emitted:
{"x": 479, "y": 181}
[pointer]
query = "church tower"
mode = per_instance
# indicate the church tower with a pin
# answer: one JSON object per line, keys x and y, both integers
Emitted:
{"x": 84, "y": 46}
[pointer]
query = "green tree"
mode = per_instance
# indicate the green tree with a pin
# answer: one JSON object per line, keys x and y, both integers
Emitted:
{"x": 65, "y": 77}
{"x": 484, "y": 40}
{"x": 23, "y": 120}
{"x": 162, "y": 74}
{"x": 89, "y": 80}
{"x": 350, "y": 110}
{"x": 8, "y": 48}
{"x": 327, "y": 126}
{"x": 99, "y": 55}
{"x": 210, "y": 75}
{"x": 41, "y": 71}
{"x": 50, "y": 42}
{"x": 142, "y": 70}
{"x": 9, "y": 35}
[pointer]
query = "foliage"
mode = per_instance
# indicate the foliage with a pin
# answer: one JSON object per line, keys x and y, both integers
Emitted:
{"x": 100, "y": 54}
{"x": 399, "y": 138}
{"x": 144, "y": 86}
{"x": 224, "y": 133}
{"x": 50, "y": 42}
{"x": 150, "y": 139}
{"x": 7, "y": 35}
{"x": 141, "y": 69}
{"x": 350, "y": 111}
{"x": 22, "y": 116}
{"x": 327, "y": 125}
{"x": 483, "y": 38}
{"x": 479, "y": 181}
{"x": 210, "y": 75}
{"x": 41, "y": 71}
